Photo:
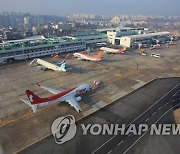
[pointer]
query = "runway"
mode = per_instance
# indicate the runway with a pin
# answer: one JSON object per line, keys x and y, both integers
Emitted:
{"x": 122, "y": 144}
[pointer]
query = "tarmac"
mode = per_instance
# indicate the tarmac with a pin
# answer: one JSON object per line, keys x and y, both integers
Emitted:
{"x": 119, "y": 75}
{"x": 147, "y": 105}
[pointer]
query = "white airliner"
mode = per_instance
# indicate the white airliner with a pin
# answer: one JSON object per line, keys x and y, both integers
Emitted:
{"x": 113, "y": 51}
{"x": 87, "y": 56}
{"x": 47, "y": 65}
{"x": 70, "y": 96}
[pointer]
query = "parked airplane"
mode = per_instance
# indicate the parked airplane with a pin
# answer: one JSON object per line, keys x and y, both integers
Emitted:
{"x": 113, "y": 51}
{"x": 70, "y": 96}
{"x": 87, "y": 56}
{"x": 47, "y": 65}
{"x": 171, "y": 42}
{"x": 156, "y": 46}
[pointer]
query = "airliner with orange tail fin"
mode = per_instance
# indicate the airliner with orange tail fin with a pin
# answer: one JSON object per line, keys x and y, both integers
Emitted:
{"x": 113, "y": 51}
{"x": 87, "y": 56}
{"x": 71, "y": 96}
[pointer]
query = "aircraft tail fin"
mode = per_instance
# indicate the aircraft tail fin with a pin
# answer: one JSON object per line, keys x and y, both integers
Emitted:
{"x": 34, "y": 107}
{"x": 124, "y": 48}
{"x": 100, "y": 54}
{"x": 34, "y": 99}
{"x": 88, "y": 50}
{"x": 63, "y": 66}
{"x": 33, "y": 61}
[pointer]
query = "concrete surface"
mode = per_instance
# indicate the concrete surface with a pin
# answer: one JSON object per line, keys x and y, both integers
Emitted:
{"x": 119, "y": 74}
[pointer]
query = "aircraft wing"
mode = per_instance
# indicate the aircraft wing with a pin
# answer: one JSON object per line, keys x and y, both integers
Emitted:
{"x": 51, "y": 90}
{"x": 60, "y": 63}
{"x": 80, "y": 58}
{"x": 25, "y": 101}
{"x": 72, "y": 101}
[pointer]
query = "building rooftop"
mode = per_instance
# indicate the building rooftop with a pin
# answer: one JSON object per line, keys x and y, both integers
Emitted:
{"x": 106, "y": 29}
{"x": 147, "y": 35}
{"x": 34, "y": 38}
{"x": 31, "y": 42}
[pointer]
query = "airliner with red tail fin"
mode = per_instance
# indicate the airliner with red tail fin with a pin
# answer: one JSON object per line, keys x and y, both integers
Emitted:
{"x": 70, "y": 96}
{"x": 87, "y": 56}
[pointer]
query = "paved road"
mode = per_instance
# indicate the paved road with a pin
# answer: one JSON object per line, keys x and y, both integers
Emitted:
{"x": 145, "y": 105}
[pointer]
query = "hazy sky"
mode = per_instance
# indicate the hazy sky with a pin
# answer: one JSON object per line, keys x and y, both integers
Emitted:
{"x": 57, "y": 7}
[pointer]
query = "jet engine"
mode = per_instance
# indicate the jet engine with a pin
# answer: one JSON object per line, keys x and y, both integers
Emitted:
{"x": 78, "y": 98}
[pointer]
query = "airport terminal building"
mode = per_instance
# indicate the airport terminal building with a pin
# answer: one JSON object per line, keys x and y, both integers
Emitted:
{"x": 90, "y": 37}
{"x": 144, "y": 39}
{"x": 39, "y": 46}
{"x": 114, "y": 35}
{"x": 130, "y": 37}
